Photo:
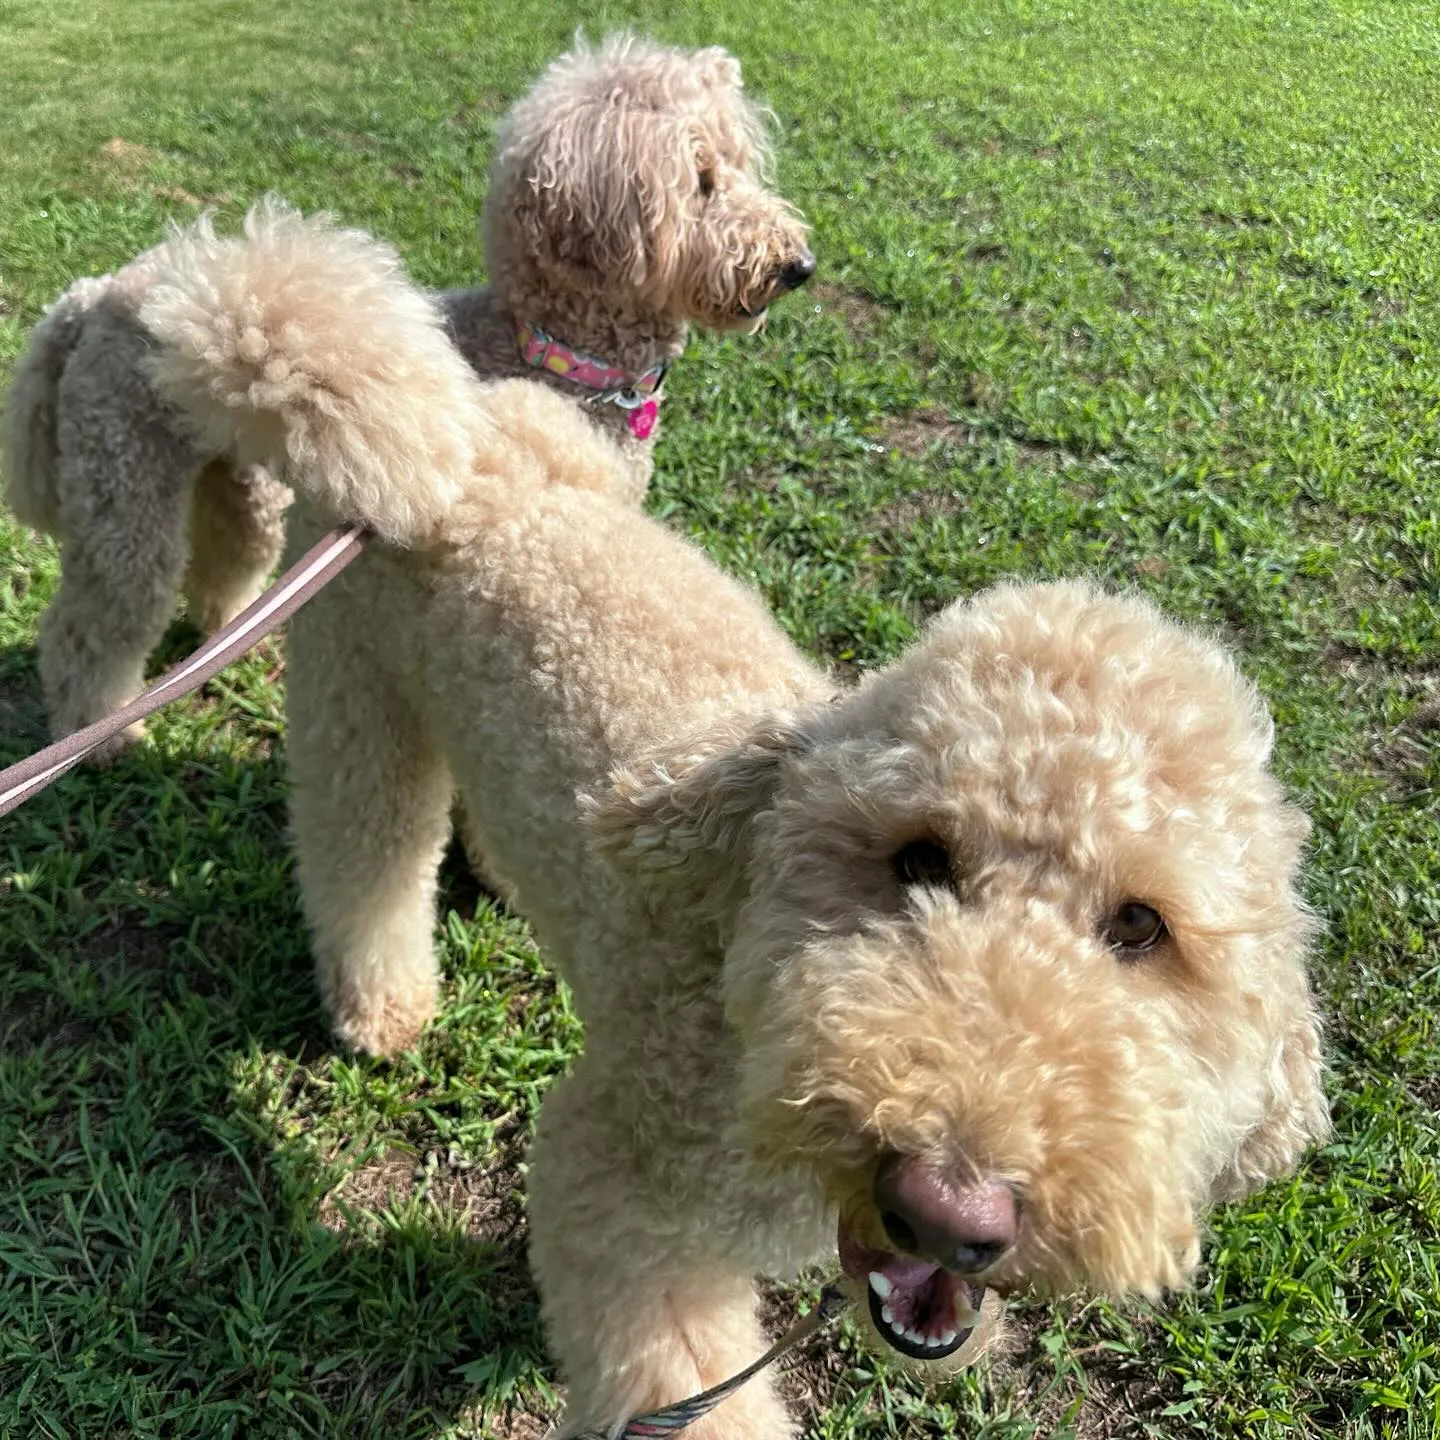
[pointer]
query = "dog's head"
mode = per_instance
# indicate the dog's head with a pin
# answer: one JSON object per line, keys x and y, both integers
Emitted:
{"x": 1013, "y": 949}
{"x": 636, "y": 173}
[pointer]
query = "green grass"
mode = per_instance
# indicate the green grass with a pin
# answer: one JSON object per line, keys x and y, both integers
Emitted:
{"x": 1140, "y": 289}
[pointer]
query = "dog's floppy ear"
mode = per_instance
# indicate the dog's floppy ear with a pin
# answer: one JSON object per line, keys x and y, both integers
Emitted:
{"x": 1296, "y": 1113}
{"x": 679, "y": 824}
{"x": 595, "y": 194}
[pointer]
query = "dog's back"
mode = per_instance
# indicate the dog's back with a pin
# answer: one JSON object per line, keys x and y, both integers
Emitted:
{"x": 304, "y": 341}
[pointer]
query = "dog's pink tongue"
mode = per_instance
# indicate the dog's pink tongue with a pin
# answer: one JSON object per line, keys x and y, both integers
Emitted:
{"x": 905, "y": 1272}
{"x": 919, "y": 1295}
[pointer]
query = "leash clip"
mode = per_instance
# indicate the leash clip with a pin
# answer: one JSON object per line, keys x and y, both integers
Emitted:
{"x": 627, "y": 398}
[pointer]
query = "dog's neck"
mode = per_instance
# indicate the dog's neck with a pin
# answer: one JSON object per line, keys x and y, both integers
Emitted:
{"x": 624, "y": 339}
{"x": 637, "y": 395}
{"x": 592, "y": 372}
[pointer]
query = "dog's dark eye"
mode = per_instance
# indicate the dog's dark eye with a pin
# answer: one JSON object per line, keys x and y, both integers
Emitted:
{"x": 707, "y": 183}
{"x": 923, "y": 862}
{"x": 1134, "y": 928}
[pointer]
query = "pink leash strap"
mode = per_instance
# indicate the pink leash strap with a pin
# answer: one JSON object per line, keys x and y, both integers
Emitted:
{"x": 309, "y": 574}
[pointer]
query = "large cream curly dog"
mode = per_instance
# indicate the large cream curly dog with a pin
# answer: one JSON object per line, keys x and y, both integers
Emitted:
{"x": 626, "y": 202}
{"x": 995, "y": 961}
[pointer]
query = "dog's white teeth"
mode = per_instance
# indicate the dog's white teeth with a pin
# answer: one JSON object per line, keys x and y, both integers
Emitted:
{"x": 948, "y": 1338}
{"x": 880, "y": 1285}
{"x": 914, "y": 1337}
{"x": 966, "y": 1318}
{"x": 887, "y": 1315}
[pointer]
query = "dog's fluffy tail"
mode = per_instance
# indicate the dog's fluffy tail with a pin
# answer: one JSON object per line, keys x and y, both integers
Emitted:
{"x": 30, "y": 450}
{"x": 303, "y": 343}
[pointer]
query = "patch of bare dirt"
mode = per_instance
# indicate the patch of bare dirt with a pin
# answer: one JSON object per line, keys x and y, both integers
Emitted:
{"x": 917, "y": 432}
{"x": 1388, "y": 307}
{"x": 843, "y": 668}
{"x": 26, "y": 1024}
{"x": 1426, "y": 1090}
{"x": 982, "y": 391}
{"x": 1222, "y": 219}
{"x": 175, "y": 193}
{"x": 511, "y": 1422}
{"x": 1427, "y": 717}
{"x": 1405, "y": 752}
{"x": 114, "y": 952}
{"x": 812, "y": 1378}
{"x": 34, "y": 1019}
{"x": 1115, "y": 1399}
{"x": 128, "y": 160}
{"x": 126, "y": 154}
{"x": 481, "y": 1193}
{"x": 379, "y": 1184}
{"x": 860, "y": 312}
{"x": 485, "y": 105}
{"x": 123, "y": 948}
{"x": 903, "y": 514}
{"x": 484, "y": 1192}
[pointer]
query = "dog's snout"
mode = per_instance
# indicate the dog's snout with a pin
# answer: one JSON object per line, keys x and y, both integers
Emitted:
{"x": 963, "y": 1226}
{"x": 798, "y": 271}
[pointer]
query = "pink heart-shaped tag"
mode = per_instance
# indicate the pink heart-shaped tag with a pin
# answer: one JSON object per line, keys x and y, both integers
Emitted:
{"x": 642, "y": 419}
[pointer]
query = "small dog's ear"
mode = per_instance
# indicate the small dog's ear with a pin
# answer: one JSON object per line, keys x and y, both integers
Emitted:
{"x": 595, "y": 195}
{"x": 1296, "y": 1114}
{"x": 679, "y": 824}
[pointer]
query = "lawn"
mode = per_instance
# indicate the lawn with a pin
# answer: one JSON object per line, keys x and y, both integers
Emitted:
{"x": 1142, "y": 288}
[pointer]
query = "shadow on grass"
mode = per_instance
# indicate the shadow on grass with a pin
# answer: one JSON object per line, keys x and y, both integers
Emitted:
{"x": 191, "y": 1232}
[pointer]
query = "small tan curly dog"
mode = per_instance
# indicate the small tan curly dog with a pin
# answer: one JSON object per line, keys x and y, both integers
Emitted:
{"x": 627, "y": 201}
{"x": 993, "y": 965}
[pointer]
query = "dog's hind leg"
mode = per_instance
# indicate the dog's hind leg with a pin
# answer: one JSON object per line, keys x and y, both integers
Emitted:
{"x": 643, "y": 1307}
{"x": 370, "y": 815}
{"x": 237, "y": 530}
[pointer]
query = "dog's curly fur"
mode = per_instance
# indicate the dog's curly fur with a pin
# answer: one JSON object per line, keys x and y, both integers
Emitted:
{"x": 627, "y": 201}
{"x": 703, "y": 831}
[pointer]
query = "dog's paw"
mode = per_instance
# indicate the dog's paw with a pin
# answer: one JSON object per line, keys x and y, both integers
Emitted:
{"x": 212, "y": 610}
{"x": 383, "y": 1033}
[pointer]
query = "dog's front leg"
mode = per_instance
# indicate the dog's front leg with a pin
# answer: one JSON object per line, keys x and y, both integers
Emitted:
{"x": 642, "y": 1307}
{"x": 370, "y": 815}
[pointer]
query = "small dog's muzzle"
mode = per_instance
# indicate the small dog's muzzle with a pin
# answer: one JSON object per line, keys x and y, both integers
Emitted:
{"x": 797, "y": 271}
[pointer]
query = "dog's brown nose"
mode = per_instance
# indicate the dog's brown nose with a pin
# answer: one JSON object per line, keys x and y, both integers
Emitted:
{"x": 798, "y": 271}
{"x": 964, "y": 1227}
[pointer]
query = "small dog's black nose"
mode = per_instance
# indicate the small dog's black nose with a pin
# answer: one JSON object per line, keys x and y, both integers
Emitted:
{"x": 798, "y": 271}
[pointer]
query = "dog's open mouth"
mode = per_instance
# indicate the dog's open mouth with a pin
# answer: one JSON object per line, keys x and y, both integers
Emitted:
{"x": 920, "y": 1309}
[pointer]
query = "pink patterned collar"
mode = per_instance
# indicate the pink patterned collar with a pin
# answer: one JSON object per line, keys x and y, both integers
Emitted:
{"x": 637, "y": 395}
